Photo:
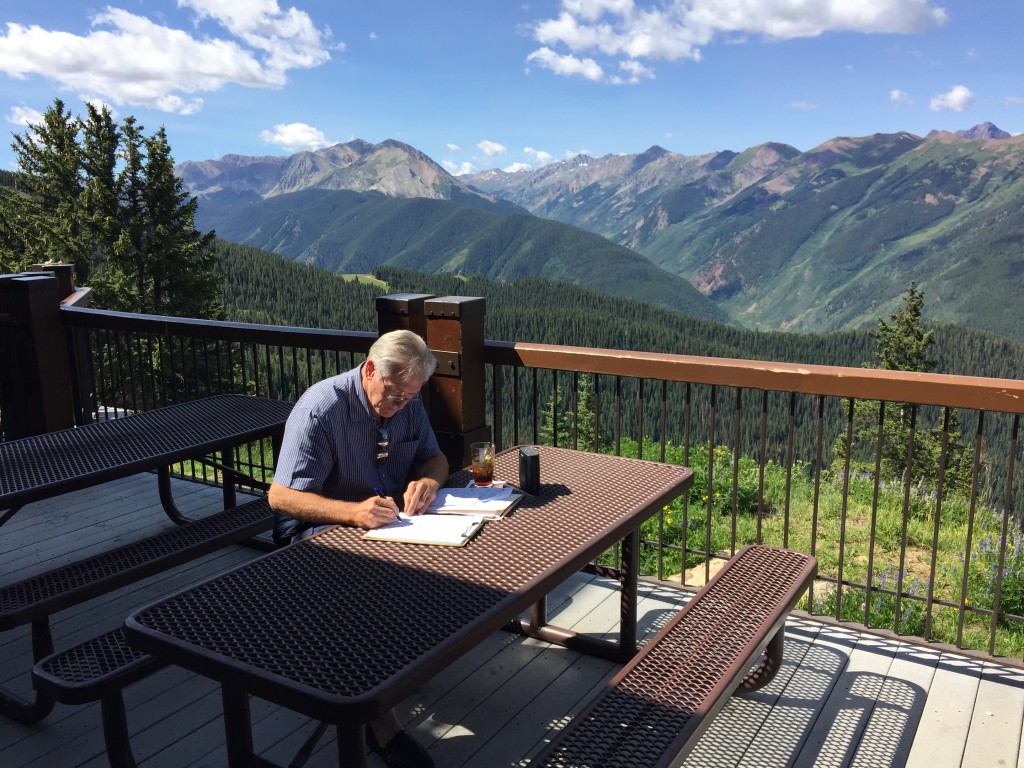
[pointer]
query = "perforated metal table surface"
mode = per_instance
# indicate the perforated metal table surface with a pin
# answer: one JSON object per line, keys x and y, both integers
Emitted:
{"x": 342, "y": 628}
{"x": 43, "y": 466}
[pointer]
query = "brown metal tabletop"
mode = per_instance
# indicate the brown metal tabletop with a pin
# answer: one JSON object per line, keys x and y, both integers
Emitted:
{"x": 40, "y": 467}
{"x": 342, "y": 628}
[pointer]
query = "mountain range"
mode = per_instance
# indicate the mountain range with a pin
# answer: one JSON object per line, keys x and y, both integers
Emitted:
{"x": 770, "y": 237}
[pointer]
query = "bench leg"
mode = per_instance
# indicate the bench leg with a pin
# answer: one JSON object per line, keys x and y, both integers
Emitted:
{"x": 769, "y": 666}
{"x": 24, "y": 710}
{"x": 115, "y": 732}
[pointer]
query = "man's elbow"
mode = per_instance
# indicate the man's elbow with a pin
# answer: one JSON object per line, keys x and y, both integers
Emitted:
{"x": 277, "y": 496}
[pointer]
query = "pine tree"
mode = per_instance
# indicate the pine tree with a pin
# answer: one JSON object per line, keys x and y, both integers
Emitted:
{"x": 903, "y": 344}
{"x": 106, "y": 199}
{"x": 99, "y": 199}
{"x": 43, "y": 211}
{"x": 183, "y": 263}
{"x": 575, "y": 421}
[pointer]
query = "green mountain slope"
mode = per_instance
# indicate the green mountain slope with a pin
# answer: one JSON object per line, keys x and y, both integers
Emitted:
{"x": 351, "y": 232}
{"x": 817, "y": 240}
{"x": 832, "y": 241}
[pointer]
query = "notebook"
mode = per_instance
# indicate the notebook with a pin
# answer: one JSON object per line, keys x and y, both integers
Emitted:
{"x": 444, "y": 530}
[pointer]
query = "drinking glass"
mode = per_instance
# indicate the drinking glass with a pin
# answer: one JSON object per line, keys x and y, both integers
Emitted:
{"x": 482, "y": 456}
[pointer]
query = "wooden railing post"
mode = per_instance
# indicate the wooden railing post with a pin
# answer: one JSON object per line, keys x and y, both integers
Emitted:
{"x": 402, "y": 312}
{"x": 35, "y": 370}
{"x": 65, "y": 274}
{"x": 455, "y": 334}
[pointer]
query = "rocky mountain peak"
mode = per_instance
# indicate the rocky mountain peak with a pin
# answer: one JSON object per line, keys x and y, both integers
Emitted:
{"x": 984, "y": 130}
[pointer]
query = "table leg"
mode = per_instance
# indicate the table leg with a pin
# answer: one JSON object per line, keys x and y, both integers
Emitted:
{"x": 8, "y": 514}
{"x": 237, "y": 727}
{"x": 539, "y": 613}
{"x": 227, "y": 458}
{"x": 628, "y": 594}
{"x": 351, "y": 745}
{"x": 163, "y": 482}
{"x": 34, "y": 710}
{"x": 621, "y": 651}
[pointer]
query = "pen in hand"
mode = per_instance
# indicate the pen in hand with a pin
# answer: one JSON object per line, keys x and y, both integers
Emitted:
{"x": 380, "y": 493}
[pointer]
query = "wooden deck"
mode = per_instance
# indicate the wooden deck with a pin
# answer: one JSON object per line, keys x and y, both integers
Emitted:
{"x": 841, "y": 699}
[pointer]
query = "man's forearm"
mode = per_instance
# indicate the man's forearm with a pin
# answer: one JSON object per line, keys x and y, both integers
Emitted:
{"x": 434, "y": 469}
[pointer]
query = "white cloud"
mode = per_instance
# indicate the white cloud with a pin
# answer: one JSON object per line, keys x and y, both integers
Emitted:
{"x": 454, "y": 148}
{"x": 566, "y": 64}
{"x": 900, "y": 98}
{"x": 516, "y": 167}
{"x": 24, "y": 116}
{"x": 130, "y": 59}
{"x": 634, "y": 70}
{"x": 492, "y": 148}
{"x": 458, "y": 169}
{"x": 801, "y": 105}
{"x": 631, "y": 30}
{"x": 539, "y": 156}
{"x": 1013, "y": 101}
{"x": 296, "y": 137}
{"x": 956, "y": 99}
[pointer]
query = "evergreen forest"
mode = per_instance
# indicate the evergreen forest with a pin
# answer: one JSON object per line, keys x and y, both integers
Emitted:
{"x": 262, "y": 287}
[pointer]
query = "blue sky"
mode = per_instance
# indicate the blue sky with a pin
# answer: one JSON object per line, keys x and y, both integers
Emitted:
{"x": 508, "y": 84}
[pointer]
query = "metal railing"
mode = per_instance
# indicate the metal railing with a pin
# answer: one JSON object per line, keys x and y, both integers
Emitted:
{"x": 780, "y": 452}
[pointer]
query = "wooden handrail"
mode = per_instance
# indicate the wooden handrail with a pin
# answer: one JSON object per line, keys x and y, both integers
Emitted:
{"x": 989, "y": 394}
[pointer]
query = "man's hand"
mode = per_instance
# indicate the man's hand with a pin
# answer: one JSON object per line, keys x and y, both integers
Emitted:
{"x": 374, "y": 512}
{"x": 419, "y": 494}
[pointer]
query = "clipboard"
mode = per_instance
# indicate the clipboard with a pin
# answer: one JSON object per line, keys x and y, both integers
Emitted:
{"x": 440, "y": 530}
{"x": 493, "y": 502}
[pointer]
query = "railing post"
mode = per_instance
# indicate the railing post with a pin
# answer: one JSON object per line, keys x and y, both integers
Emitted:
{"x": 402, "y": 312}
{"x": 455, "y": 334}
{"x": 79, "y": 348}
{"x": 65, "y": 274}
{"x": 35, "y": 370}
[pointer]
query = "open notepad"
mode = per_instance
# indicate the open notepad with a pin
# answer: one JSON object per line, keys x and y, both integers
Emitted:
{"x": 494, "y": 502}
{"x": 448, "y": 530}
{"x": 452, "y": 519}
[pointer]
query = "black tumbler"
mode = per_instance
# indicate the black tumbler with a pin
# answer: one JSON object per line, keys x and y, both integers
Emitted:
{"x": 529, "y": 469}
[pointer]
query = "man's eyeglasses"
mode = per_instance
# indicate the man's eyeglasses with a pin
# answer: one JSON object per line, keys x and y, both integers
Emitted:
{"x": 382, "y": 445}
{"x": 396, "y": 395}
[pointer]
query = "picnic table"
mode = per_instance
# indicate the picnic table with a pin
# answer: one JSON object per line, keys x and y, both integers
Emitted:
{"x": 341, "y": 628}
{"x": 54, "y": 463}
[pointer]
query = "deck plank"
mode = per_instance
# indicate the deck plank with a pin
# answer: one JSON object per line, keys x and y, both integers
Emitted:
{"x": 841, "y": 698}
{"x": 942, "y": 731}
{"x": 994, "y": 736}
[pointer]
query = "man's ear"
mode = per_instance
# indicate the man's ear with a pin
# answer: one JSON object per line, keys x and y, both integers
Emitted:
{"x": 369, "y": 368}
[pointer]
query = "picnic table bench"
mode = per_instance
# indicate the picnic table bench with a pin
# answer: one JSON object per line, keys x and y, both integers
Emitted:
{"x": 48, "y": 465}
{"x": 651, "y": 714}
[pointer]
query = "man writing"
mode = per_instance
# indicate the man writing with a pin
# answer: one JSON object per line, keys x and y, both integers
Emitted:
{"x": 353, "y": 444}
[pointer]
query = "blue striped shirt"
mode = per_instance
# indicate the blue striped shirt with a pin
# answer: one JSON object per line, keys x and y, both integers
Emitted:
{"x": 330, "y": 446}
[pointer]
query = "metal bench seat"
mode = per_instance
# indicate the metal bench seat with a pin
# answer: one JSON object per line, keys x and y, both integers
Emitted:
{"x": 653, "y": 711}
{"x": 98, "y": 670}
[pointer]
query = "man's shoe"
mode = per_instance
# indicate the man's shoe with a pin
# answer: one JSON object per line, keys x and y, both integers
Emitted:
{"x": 403, "y": 751}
